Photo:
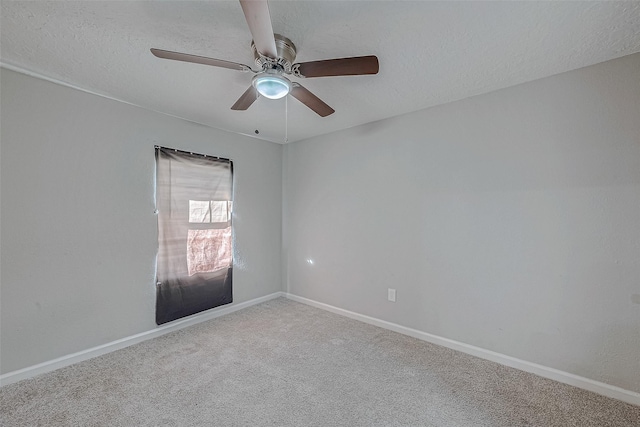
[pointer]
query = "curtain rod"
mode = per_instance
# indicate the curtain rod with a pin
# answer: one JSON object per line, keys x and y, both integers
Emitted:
{"x": 192, "y": 153}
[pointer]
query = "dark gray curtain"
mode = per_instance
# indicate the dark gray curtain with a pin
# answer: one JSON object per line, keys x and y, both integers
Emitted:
{"x": 194, "y": 199}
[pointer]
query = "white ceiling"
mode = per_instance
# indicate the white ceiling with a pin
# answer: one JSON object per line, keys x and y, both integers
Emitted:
{"x": 430, "y": 53}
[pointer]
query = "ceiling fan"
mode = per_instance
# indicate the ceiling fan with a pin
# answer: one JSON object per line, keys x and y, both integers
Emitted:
{"x": 275, "y": 55}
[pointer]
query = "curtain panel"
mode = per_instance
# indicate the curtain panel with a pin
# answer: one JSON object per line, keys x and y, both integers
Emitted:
{"x": 194, "y": 202}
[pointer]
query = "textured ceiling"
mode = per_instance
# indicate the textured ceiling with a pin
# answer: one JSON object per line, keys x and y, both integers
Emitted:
{"x": 430, "y": 53}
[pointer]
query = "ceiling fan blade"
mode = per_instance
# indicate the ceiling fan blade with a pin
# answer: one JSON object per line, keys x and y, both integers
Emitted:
{"x": 354, "y": 66}
{"x": 310, "y": 100}
{"x": 177, "y": 56}
{"x": 256, "y": 12}
{"x": 247, "y": 98}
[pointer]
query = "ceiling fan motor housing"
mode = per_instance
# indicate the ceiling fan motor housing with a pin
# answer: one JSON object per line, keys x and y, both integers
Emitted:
{"x": 286, "y": 55}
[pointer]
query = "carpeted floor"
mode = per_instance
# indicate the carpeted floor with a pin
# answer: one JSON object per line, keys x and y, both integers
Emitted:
{"x": 282, "y": 363}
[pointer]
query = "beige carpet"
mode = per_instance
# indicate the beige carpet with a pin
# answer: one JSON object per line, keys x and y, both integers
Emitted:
{"x": 283, "y": 363}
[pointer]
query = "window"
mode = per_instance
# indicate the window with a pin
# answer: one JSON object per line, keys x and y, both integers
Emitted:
{"x": 195, "y": 252}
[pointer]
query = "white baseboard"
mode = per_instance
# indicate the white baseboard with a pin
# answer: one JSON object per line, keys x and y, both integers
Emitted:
{"x": 41, "y": 368}
{"x": 543, "y": 371}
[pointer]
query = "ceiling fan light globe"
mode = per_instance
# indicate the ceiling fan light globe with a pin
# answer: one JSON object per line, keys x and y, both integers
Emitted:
{"x": 272, "y": 87}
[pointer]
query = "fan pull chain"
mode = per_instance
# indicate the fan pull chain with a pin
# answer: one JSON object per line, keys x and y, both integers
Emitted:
{"x": 286, "y": 119}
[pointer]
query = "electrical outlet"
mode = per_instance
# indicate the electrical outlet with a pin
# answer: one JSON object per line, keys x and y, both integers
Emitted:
{"x": 391, "y": 295}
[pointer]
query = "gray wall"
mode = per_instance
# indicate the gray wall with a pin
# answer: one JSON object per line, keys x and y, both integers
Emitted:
{"x": 508, "y": 221}
{"x": 78, "y": 231}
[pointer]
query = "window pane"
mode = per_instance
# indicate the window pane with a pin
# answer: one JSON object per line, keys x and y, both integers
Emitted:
{"x": 219, "y": 212}
{"x": 208, "y": 250}
{"x": 199, "y": 211}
